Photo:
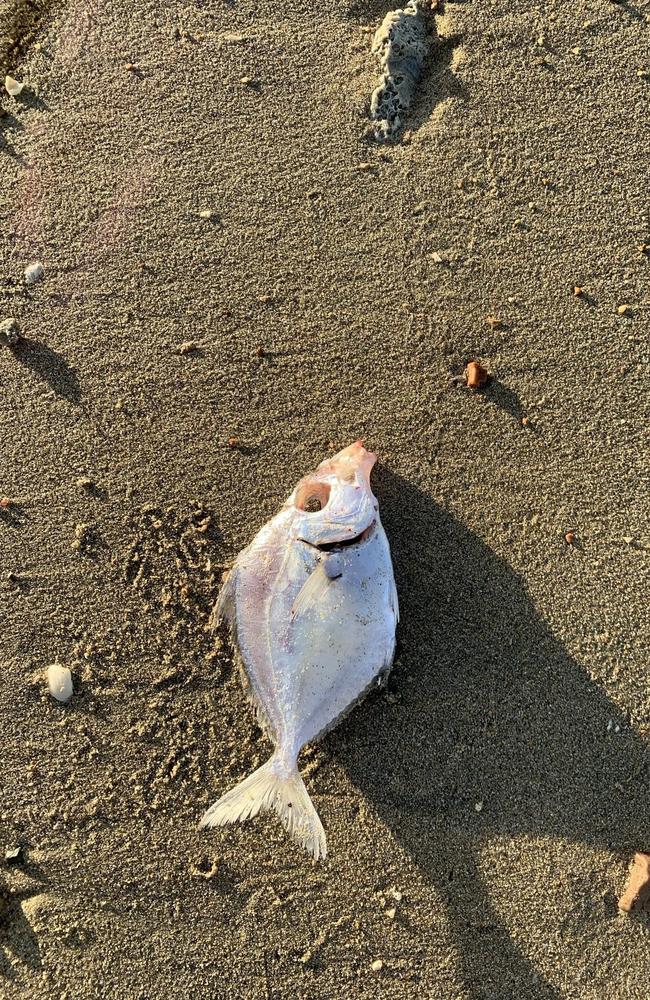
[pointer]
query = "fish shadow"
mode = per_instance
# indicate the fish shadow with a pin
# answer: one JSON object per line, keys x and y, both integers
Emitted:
{"x": 50, "y": 366}
{"x": 491, "y": 709}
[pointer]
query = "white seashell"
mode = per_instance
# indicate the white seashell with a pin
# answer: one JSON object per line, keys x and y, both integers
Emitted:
{"x": 34, "y": 273}
{"x": 13, "y": 87}
{"x": 59, "y": 682}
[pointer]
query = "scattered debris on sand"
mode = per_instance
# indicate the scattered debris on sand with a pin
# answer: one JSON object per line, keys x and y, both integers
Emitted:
{"x": 402, "y": 45}
{"x": 13, "y": 87}
{"x": 637, "y": 891}
{"x": 475, "y": 375}
{"x": 9, "y": 332}
{"x": 59, "y": 682}
{"x": 34, "y": 272}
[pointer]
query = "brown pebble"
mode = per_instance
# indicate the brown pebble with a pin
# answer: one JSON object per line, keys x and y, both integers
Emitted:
{"x": 260, "y": 352}
{"x": 365, "y": 167}
{"x": 130, "y": 67}
{"x": 475, "y": 375}
{"x": 569, "y": 538}
{"x": 525, "y": 421}
{"x": 233, "y": 442}
{"x": 5, "y": 503}
{"x": 578, "y": 290}
{"x": 637, "y": 891}
{"x": 265, "y": 299}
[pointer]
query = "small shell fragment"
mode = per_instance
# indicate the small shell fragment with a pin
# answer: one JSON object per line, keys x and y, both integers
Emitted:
{"x": 475, "y": 375}
{"x": 59, "y": 682}
{"x": 13, "y": 87}
{"x": 9, "y": 333}
{"x": 34, "y": 272}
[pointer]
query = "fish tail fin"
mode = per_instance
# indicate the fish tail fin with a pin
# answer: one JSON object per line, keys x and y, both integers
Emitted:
{"x": 273, "y": 787}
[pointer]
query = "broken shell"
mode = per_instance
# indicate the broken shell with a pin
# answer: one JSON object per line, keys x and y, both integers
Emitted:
{"x": 13, "y": 87}
{"x": 59, "y": 682}
{"x": 475, "y": 375}
{"x": 9, "y": 334}
{"x": 34, "y": 272}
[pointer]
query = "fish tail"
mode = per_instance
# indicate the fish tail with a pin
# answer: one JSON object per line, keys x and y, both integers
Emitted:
{"x": 274, "y": 786}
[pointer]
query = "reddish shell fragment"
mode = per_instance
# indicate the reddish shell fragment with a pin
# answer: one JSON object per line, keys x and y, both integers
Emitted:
{"x": 475, "y": 375}
{"x": 637, "y": 891}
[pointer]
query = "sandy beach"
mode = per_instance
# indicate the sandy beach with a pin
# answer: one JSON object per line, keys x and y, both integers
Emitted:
{"x": 238, "y": 280}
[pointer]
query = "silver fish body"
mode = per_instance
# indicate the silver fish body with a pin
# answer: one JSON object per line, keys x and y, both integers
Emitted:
{"x": 313, "y": 609}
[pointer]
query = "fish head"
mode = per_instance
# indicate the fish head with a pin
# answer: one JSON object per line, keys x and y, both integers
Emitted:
{"x": 335, "y": 504}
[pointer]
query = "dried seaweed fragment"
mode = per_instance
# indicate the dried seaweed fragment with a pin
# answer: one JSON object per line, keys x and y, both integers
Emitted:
{"x": 402, "y": 44}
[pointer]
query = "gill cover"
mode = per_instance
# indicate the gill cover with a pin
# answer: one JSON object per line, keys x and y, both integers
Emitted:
{"x": 335, "y": 503}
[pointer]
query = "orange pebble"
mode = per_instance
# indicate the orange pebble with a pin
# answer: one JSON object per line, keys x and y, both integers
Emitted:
{"x": 475, "y": 375}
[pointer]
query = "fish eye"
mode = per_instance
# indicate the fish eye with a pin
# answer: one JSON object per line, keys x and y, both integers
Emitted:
{"x": 312, "y": 496}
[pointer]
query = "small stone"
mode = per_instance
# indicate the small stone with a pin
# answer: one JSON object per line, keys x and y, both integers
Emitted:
{"x": 494, "y": 322}
{"x": 628, "y": 539}
{"x": 390, "y": 913}
{"x": 638, "y": 886}
{"x": 84, "y": 483}
{"x": 246, "y": 80}
{"x": 233, "y": 442}
{"x": 377, "y": 965}
{"x": 14, "y": 855}
{"x": 475, "y": 375}
{"x": 9, "y": 333}
{"x": 13, "y": 87}
{"x": 578, "y": 291}
{"x": 643, "y": 74}
{"x": 34, "y": 272}
{"x": 59, "y": 682}
{"x": 478, "y": 806}
{"x": 365, "y": 167}
{"x": 5, "y": 503}
{"x": 130, "y": 67}
{"x": 436, "y": 258}
{"x": 525, "y": 421}
{"x": 206, "y": 213}
{"x": 576, "y": 50}
{"x": 569, "y": 538}
{"x": 188, "y": 346}
{"x": 624, "y": 310}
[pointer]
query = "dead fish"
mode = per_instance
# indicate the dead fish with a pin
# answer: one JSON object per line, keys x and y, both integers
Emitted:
{"x": 312, "y": 607}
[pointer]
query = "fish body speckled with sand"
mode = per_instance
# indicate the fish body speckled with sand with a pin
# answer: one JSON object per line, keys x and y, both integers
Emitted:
{"x": 313, "y": 609}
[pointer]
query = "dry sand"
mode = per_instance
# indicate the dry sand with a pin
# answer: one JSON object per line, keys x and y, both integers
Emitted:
{"x": 501, "y": 784}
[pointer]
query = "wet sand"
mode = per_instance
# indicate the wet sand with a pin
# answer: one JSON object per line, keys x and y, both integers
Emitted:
{"x": 177, "y": 374}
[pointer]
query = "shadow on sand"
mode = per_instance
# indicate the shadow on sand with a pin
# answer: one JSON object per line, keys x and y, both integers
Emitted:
{"x": 495, "y": 711}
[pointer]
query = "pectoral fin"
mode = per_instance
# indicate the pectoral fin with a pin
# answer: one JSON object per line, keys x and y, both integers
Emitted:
{"x": 311, "y": 592}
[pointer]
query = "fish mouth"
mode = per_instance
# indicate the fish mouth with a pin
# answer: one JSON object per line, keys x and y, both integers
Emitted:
{"x": 342, "y": 543}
